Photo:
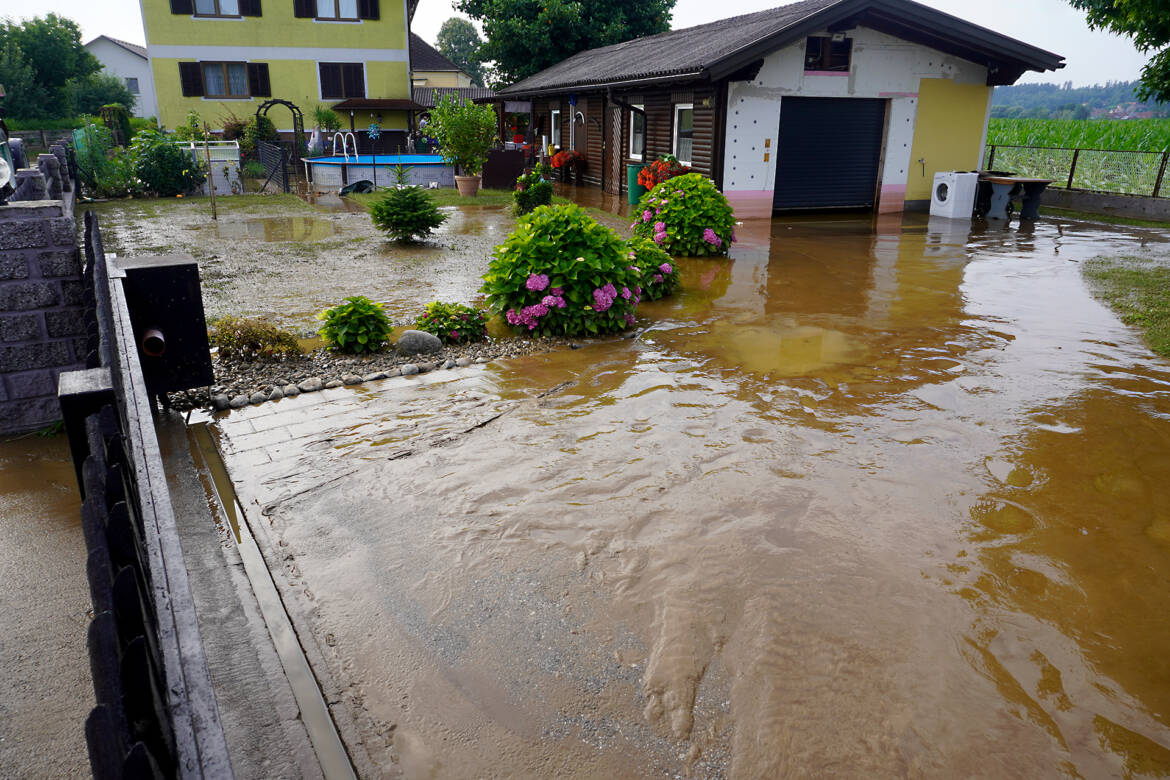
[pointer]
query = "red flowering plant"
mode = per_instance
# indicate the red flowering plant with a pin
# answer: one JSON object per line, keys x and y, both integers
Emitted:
{"x": 568, "y": 157}
{"x": 664, "y": 168}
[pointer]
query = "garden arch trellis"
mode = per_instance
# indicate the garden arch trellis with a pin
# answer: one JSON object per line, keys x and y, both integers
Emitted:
{"x": 298, "y": 125}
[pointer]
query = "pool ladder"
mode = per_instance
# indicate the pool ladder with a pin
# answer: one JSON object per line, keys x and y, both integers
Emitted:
{"x": 345, "y": 140}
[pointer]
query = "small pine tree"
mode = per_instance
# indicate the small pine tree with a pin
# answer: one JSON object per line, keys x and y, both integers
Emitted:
{"x": 406, "y": 214}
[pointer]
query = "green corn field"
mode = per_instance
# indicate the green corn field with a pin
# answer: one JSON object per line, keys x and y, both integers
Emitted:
{"x": 1137, "y": 135}
{"x": 1129, "y": 163}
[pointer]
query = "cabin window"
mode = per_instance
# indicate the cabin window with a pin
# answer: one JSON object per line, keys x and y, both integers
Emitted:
{"x": 341, "y": 80}
{"x": 554, "y": 129}
{"x": 217, "y": 8}
{"x": 345, "y": 10}
{"x": 684, "y": 131}
{"x": 827, "y": 53}
{"x": 132, "y": 85}
{"x": 637, "y": 133}
{"x": 225, "y": 79}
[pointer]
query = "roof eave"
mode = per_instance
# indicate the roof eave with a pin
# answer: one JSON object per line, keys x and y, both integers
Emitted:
{"x": 636, "y": 81}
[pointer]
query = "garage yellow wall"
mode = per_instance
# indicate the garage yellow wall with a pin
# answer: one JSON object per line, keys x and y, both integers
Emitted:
{"x": 948, "y": 132}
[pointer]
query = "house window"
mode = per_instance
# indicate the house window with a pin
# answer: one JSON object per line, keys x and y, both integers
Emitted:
{"x": 637, "y": 133}
{"x": 554, "y": 132}
{"x": 132, "y": 85}
{"x": 684, "y": 131}
{"x": 217, "y": 8}
{"x": 341, "y": 80}
{"x": 225, "y": 79}
{"x": 345, "y": 10}
{"x": 827, "y": 54}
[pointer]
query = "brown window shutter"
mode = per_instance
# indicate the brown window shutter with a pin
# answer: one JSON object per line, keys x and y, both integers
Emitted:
{"x": 182, "y": 7}
{"x": 190, "y": 79}
{"x": 331, "y": 81}
{"x": 258, "y": 79}
{"x": 367, "y": 9}
{"x": 250, "y": 8}
{"x": 354, "y": 80}
{"x": 304, "y": 9}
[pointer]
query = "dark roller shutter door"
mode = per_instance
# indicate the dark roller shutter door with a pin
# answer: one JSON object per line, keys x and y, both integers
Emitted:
{"x": 828, "y": 152}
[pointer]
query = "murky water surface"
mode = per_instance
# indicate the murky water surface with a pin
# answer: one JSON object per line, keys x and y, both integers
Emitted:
{"x": 866, "y": 499}
{"x": 276, "y": 229}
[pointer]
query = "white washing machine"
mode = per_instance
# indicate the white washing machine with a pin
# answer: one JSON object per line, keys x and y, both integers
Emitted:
{"x": 953, "y": 194}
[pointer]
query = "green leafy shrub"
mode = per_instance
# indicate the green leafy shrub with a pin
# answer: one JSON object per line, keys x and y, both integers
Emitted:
{"x": 253, "y": 169}
{"x": 405, "y": 213}
{"x": 532, "y": 191}
{"x": 454, "y": 323}
{"x": 686, "y": 216}
{"x": 252, "y": 339}
{"x": 560, "y": 272}
{"x": 466, "y": 133}
{"x": 118, "y": 177}
{"x": 356, "y": 325}
{"x": 163, "y": 167}
{"x": 117, "y": 119}
{"x": 655, "y": 267}
{"x": 191, "y": 129}
{"x": 254, "y": 132}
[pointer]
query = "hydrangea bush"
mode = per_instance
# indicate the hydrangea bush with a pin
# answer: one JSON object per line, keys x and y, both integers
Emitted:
{"x": 686, "y": 216}
{"x": 454, "y": 323}
{"x": 355, "y": 325}
{"x": 656, "y": 268}
{"x": 561, "y": 273}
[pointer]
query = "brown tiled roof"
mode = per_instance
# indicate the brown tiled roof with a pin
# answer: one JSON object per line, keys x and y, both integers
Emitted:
{"x": 423, "y": 56}
{"x": 429, "y": 96}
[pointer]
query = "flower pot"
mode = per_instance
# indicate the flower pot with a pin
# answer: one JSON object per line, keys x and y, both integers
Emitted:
{"x": 468, "y": 185}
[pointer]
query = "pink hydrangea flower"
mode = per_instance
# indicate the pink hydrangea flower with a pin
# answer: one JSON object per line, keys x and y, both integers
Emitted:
{"x": 633, "y": 225}
{"x": 710, "y": 237}
{"x": 634, "y": 268}
{"x": 626, "y": 293}
{"x": 659, "y": 238}
{"x": 666, "y": 268}
{"x": 659, "y": 227}
{"x": 454, "y": 334}
{"x": 658, "y": 278}
{"x": 557, "y": 291}
{"x": 647, "y": 216}
{"x": 552, "y": 301}
{"x": 629, "y": 319}
{"x": 512, "y": 317}
{"x": 637, "y": 293}
{"x": 603, "y": 297}
{"x": 537, "y": 282}
{"x": 733, "y": 238}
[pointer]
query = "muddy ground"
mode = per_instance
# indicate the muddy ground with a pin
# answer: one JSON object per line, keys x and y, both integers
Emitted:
{"x": 866, "y": 499}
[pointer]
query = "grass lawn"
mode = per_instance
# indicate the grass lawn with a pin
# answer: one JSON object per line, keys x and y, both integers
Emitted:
{"x": 1137, "y": 288}
{"x": 1105, "y": 219}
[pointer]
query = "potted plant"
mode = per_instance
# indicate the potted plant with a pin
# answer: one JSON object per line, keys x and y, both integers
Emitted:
{"x": 570, "y": 162}
{"x": 466, "y": 132}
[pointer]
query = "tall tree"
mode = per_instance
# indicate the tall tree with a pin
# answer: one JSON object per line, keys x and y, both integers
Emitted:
{"x": 459, "y": 42}
{"x": 1148, "y": 23}
{"x": 50, "y": 47}
{"x": 527, "y": 36}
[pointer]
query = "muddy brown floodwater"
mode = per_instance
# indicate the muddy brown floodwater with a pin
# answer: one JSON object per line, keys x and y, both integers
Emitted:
{"x": 864, "y": 500}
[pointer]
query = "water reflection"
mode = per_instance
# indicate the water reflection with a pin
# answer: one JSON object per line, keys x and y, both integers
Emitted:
{"x": 867, "y": 498}
{"x": 277, "y": 229}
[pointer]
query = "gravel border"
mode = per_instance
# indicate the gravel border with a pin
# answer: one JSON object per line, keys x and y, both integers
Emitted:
{"x": 240, "y": 383}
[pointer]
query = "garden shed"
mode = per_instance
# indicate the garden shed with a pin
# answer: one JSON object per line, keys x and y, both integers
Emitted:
{"x": 817, "y": 104}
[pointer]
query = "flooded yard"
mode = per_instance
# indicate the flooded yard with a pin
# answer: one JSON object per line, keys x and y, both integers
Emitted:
{"x": 863, "y": 500}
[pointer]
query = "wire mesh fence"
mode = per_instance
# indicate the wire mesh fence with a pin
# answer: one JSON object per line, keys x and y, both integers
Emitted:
{"x": 1099, "y": 170}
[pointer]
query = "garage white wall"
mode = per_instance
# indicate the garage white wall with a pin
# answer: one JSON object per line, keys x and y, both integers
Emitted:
{"x": 882, "y": 67}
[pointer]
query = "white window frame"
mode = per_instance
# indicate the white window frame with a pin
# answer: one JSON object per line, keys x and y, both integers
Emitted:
{"x": 133, "y": 87}
{"x": 554, "y": 128}
{"x": 633, "y": 115}
{"x": 674, "y": 145}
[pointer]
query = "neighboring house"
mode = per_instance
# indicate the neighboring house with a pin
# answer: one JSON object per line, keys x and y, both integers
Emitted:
{"x": 431, "y": 69}
{"x": 128, "y": 62}
{"x": 818, "y": 104}
{"x": 225, "y": 57}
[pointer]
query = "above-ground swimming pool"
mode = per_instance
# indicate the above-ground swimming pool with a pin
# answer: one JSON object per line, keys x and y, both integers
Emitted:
{"x": 332, "y": 173}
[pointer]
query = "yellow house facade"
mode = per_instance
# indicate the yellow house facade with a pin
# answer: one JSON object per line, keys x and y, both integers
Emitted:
{"x": 226, "y": 57}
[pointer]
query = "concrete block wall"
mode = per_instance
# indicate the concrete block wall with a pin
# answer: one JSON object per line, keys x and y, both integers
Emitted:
{"x": 41, "y": 325}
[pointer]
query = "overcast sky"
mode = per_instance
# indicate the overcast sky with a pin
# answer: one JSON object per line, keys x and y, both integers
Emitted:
{"x": 1092, "y": 57}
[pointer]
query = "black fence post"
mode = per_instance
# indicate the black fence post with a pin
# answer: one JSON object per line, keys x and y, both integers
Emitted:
{"x": 991, "y": 159}
{"x": 1072, "y": 169}
{"x": 1161, "y": 173}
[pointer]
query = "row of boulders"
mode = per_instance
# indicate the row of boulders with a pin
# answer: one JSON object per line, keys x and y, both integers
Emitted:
{"x": 311, "y": 385}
